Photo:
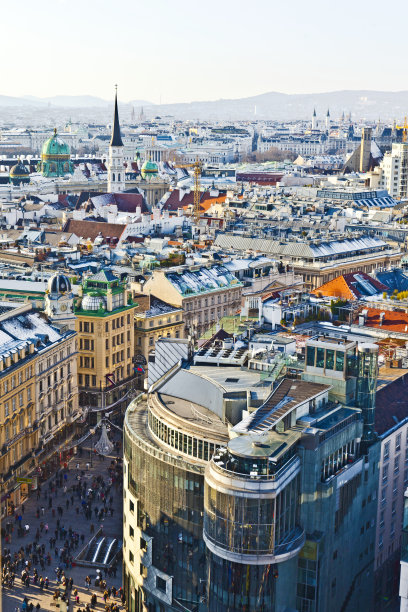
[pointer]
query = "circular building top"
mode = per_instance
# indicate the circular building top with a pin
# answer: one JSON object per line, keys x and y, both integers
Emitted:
{"x": 252, "y": 446}
{"x": 55, "y": 148}
{"x": 59, "y": 283}
{"x": 92, "y": 301}
{"x": 149, "y": 169}
{"x": 19, "y": 173}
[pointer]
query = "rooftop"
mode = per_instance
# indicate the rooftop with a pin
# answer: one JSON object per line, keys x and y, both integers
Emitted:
{"x": 287, "y": 395}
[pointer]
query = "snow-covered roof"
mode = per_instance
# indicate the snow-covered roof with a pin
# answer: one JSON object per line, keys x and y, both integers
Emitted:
{"x": 202, "y": 280}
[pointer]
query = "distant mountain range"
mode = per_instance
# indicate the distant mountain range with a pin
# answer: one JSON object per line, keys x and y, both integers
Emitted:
{"x": 363, "y": 104}
{"x": 64, "y": 101}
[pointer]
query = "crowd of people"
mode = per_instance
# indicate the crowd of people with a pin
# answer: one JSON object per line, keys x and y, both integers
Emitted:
{"x": 44, "y": 551}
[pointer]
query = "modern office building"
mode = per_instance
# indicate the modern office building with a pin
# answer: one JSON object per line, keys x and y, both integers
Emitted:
{"x": 403, "y": 590}
{"x": 239, "y": 497}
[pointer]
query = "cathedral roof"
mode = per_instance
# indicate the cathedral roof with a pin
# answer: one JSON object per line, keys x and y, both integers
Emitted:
{"x": 55, "y": 147}
{"x": 116, "y": 140}
{"x": 149, "y": 168}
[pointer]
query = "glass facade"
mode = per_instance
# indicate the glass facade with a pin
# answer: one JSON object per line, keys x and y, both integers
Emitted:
{"x": 307, "y": 585}
{"x": 367, "y": 386}
{"x": 251, "y": 525}
{"x": 330, "y": 359}
{"x": 240, "y": 588}
{"x": 169, "y": 509}
{"x": 182, "y": 442}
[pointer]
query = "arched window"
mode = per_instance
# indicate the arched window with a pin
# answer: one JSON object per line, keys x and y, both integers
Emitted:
{"x": 113, "y": 176}
{"x": 119, "y": 177}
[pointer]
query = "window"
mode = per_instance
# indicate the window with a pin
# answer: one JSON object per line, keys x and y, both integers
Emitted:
{"x": 385, "y": 474}
{"x": 131, "y": 531}
{"x": 330, "y": 359}
{"x": 131, "y": 557}
{"x": 339, "y": 361}
{"x": 6, "y": 409}
{"x": 396, "y": 464}
{"x": 386, "y": 451}
{"x": 160, "y": 584}
{"x": 395, "y": 486}
{"x": 319, "y": 357}
{"x": 398, "y": 443}
{"x": 131, "y": 506}
{"x": 143, "y": 544}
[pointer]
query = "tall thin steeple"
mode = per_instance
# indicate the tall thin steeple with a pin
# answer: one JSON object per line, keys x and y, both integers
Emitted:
{"x": 314, "y": 120}
{"x": 116, "y": 163}
{"x": 116, "y": 140}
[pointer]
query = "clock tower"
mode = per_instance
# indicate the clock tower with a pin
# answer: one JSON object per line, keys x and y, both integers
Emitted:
{"x": 59, "y": 302}
{"x": 116, "y": 162}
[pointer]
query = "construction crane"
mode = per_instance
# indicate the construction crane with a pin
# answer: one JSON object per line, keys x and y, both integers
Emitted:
{"x": 404, "y": 129}
{"x": 197, "y": 166}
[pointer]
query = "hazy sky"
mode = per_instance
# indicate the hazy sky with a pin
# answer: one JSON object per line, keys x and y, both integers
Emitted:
{"x": 179, "y": 50}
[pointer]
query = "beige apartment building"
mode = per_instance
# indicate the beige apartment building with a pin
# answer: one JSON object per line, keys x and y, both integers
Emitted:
{"x": 156, "y": 319}
{"x": 106, "y": 343}
{"x": 204, "y": 293}
{"x": 33, "y": 355}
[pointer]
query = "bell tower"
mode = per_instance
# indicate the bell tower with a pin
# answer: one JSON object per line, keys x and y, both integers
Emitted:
{"x": 116, "y": 167}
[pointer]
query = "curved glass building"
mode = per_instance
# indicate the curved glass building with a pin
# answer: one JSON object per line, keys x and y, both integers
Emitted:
{"x": 238, "y": 496}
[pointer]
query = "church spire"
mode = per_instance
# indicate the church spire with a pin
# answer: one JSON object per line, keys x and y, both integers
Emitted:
{"x": 116, "y": 140}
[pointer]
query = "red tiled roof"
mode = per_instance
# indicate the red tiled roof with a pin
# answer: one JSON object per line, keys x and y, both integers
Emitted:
{"x": 346, "y": 286}
{"x": 264, "y": 178}
{"x": 392, "y": 321}
{"x": 92, "y": 229}
{"x": 126, "y": 202}
{"x": 174, "y": 203}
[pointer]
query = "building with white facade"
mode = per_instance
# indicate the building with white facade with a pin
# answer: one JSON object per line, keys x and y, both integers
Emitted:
{"x": 394, "y": 171}
{"x": 116, "y": 165}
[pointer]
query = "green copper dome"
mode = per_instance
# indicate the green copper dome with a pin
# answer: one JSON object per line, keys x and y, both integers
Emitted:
{"x": 149, "y": 169}
{"x": 55, "y": 157}
{"x": 19, "y": 174}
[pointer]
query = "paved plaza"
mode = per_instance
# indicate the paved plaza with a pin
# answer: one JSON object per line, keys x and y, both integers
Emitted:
{"x": 72, "y": 517}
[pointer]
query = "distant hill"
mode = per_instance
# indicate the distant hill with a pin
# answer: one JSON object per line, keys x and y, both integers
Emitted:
{"x": 363, "y": 104}
{"x": 369, "y": 105}
{"x": 72, "y": 101}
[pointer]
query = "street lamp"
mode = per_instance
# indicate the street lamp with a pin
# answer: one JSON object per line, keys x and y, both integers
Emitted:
{"x": 92, "y": 431}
